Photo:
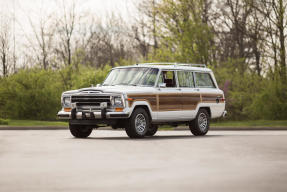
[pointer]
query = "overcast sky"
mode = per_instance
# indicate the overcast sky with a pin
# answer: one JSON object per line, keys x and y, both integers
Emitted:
{"x": 24, "y": 9}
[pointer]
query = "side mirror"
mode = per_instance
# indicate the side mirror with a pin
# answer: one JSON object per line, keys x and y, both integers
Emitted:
{"x": 162, "y": 85}
{"x": 98, "y": 85}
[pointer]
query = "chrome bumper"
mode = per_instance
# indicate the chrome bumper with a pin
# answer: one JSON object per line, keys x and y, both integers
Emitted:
{"x": 93, "y": 115}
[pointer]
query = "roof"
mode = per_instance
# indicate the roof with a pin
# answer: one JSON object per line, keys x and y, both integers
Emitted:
{"x": 169, "y": 66}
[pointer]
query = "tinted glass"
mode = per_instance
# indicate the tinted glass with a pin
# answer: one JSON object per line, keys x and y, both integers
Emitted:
{"x": 204, "y": 80}
{"x": 168, "y": 78}
{"x": 185, "y": 78}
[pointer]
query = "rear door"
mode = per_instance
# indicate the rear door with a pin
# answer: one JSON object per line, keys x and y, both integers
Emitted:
{"x": 190, "y": 96}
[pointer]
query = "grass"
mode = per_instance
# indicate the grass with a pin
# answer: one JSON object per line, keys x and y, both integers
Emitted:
{"x": 35, "y": 123}
{"x": 255, "y": 123}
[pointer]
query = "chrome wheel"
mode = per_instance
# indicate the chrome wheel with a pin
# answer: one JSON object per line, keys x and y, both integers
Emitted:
{"x": 140, "y": 123}
{"x": 202, "y": 121}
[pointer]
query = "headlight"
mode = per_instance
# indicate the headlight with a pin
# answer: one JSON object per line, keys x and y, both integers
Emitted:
{"x": 66, "y": 101}
{"x": 118, "y": 101}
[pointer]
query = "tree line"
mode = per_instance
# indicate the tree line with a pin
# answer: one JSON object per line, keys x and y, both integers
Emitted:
{"x": 243, "y": 41}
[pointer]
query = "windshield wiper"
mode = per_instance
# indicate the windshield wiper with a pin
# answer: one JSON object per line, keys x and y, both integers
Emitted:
{"x": 125, "y": 84}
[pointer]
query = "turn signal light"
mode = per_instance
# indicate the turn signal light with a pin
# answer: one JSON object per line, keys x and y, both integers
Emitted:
{"x": 67, "y": 109}
{"x": 119, "y": 109}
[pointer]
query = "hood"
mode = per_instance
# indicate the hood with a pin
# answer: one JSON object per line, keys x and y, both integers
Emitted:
{"x": 112, "y": 89}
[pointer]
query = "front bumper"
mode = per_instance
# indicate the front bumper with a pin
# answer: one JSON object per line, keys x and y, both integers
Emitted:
{"x": 92, "y": 115}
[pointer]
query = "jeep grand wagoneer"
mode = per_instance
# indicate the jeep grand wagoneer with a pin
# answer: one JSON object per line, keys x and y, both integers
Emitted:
{"x": 138, "y": 98}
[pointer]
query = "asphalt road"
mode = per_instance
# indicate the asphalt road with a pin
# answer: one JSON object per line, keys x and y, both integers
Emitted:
{"x": 49, "y": 160}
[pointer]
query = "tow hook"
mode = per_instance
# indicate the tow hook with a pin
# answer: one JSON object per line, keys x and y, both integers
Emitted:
{"x": 103, "y": 106}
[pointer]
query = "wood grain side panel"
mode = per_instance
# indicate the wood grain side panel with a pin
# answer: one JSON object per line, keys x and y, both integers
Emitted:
{"x": 175, "y": 101}
{"x": 151, "y": 99}
{"x": 170, "y": 102}
{"x": 211, "y": 98}
{"x": 190, "y": 101}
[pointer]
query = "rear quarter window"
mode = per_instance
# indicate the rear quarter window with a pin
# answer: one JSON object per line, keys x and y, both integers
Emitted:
{"x": 204, "y": 80}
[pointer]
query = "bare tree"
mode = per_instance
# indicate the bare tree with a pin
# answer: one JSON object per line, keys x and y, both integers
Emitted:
{"x": 66, "y": 24}
{"x": 106, "y": 43}
{"x": 41, "y": 42}
{"x": 276, "y": 22}
{"x": 5, "y": 41}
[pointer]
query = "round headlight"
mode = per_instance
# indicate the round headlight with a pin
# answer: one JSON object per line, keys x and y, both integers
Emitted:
{"x": 67, "y": 101}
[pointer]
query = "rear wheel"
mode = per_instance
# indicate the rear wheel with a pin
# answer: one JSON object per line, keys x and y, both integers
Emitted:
{"x": 152, "y": 130}
{"x": 138, "y": 124}
{"x": 200, "y": 125}
{"x": 80, "y": 131}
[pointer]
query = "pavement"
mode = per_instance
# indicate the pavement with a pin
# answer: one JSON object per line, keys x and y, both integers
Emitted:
{"x": 184, "y": 128}
{"x": 52, "y": 160}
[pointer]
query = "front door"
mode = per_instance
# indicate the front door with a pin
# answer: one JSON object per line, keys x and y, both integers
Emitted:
{"x": 169, "y": 97}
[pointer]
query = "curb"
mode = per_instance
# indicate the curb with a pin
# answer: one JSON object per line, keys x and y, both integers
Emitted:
{"x": 33, "y": 128}
{"x": 259, "y": 128}
{"x": 176, "y": 129}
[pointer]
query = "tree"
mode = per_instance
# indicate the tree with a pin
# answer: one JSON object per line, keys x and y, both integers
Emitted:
{"x": 275, "y": 13}
{"x": 184, "y": 32}
{"x": 42, "y": 40}
{"x": 66, "y": 24}
{"x": 5, "y": 40}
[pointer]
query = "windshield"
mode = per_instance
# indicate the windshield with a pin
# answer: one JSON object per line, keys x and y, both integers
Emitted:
{"x": 137, "y": 76}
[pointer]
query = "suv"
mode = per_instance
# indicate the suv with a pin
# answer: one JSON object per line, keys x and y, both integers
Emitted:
{"x": 140, "y": 97}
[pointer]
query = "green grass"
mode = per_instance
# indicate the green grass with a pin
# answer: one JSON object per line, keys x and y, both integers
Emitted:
{"x": 35, "y": 123}
{"x": 4, "y": 121}
{"x": 255, "y": 123}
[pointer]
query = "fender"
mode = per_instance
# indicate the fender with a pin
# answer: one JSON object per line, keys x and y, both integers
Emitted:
{"x": 142, "y": 103}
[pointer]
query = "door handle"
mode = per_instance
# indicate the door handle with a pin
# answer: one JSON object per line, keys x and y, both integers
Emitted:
{"x": 196, "y": 89}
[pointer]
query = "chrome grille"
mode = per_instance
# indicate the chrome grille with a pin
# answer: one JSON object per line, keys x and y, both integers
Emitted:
{"x": 90, "y": 101}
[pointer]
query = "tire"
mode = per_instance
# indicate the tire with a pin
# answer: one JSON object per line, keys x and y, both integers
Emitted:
{"x": 200, "y": 125}
{"x": 80, "y": 131}
{"x": 152, "y": 130}
{"x": 138, "y": 124}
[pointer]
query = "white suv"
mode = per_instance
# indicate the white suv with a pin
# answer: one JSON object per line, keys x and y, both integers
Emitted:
{"x": 138, "y": 98}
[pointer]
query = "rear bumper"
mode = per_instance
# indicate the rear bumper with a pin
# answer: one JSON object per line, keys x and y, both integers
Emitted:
{"x": 224, "y": 114}
{"x": 98, "y": 115}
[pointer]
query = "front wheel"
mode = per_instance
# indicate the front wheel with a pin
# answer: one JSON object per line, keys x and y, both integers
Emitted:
{"x": 152, "y": 130}
{"x": 200, "y": 125}
{"x": 80, "y": 131}
{"x": 138, "y": 124}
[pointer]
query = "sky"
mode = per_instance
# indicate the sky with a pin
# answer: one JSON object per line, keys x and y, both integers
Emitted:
{"x": 24, "y": 9}
{"x": 101, "y": 7}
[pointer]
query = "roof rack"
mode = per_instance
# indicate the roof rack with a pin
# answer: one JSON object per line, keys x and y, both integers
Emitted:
{"x": 175, "y": 64}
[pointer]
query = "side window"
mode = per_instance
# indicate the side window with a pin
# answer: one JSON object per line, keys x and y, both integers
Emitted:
{"x": 168, "y": 78}
{"x": 185, "y": 79}
{"x": 204, "y": 80}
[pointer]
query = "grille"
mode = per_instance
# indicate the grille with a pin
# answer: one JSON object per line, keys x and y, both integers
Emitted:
{"x": 89, "y": 101}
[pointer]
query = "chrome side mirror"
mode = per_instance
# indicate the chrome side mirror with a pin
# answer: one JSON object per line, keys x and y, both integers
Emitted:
{"x": 162, "y": 85}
